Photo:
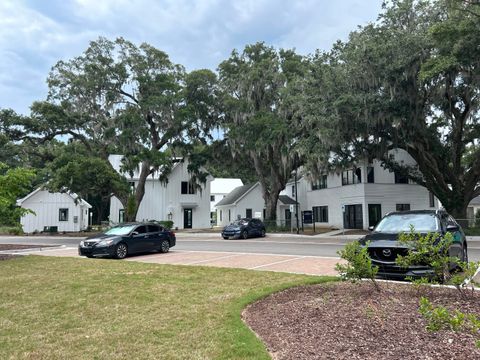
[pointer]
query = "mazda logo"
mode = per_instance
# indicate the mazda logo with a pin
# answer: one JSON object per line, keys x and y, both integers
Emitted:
{"x": 387, "y": 252}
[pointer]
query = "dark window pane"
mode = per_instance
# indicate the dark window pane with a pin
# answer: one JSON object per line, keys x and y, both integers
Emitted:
{"x": 184, "y": 187}
{"x": 248, "y": 213}
{"x": 370, "y": 174}
{"x": 63, "y": 215}
{"x": 357, "y": 179}
{"x": 142, "y": 229}
{"x": 153, "y": 228}
{"x": 400, "y": 178}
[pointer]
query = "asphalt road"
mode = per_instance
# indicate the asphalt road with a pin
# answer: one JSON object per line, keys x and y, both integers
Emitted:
{"x": 302, "y": 246}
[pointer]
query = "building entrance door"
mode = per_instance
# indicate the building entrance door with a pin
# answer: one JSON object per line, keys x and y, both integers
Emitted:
{"x": 187, "y": 218}
{"x": 374, "y": 214}
{"x": 353, "y": 217}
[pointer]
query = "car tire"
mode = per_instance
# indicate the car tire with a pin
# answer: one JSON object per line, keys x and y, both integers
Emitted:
{"x": 262, "y": 233}
{"x": 244, "y": 234}
{"x": 89, "y": 256}
{"x": 121, "y": 251}
{"x": 164, "y": 246}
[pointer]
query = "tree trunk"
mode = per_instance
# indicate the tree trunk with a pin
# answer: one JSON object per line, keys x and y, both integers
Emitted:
{"x": 139, "y": 191}
{"x": 271, "y": 200}
{"x": 456, "y": 205}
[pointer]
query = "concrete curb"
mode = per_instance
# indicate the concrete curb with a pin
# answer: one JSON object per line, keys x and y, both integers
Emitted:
{"x": 20, "y": 251}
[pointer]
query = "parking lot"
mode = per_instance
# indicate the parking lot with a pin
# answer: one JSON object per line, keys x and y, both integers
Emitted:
{"x": 313, "y": 265}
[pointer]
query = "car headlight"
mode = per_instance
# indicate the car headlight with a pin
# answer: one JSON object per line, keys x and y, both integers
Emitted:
{"x": 82, "y": 243}
{"x": 105, "y": 243}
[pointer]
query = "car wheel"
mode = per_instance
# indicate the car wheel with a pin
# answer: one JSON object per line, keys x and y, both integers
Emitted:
{"x": 121, "y": 251}
{"x": 164, "y": 246}
{"x": 89, "y": 256}
{"x": 244, "y": 234}
{"x": 262, "y": 233}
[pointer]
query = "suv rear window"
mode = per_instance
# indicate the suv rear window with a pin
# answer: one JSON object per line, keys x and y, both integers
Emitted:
{"x": 396, "y": 223}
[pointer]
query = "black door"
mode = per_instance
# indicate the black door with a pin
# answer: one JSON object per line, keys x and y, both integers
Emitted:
{"x": 138, "y": 240}
{"x": 374, "y": 214}
{"x": 353, "y": 217}
{"x": 187, "y": 218}
{"x": 288, "y": 218}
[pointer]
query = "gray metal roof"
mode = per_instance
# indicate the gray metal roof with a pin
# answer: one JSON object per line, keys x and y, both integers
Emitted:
{"x": 475, "y": 201}
{"x": 235, "y": 194}
{"x": 286, "y": 200}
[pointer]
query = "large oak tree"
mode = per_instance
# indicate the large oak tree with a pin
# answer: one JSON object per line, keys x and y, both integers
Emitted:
{"x": 409, "y": 81}
{"x": 261, "y": 119}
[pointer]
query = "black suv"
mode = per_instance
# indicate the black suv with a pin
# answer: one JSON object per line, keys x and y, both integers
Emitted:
{"x": 244, "y": 228}
{"x": 128, "y": 238}
{"x": 384, "y": 247}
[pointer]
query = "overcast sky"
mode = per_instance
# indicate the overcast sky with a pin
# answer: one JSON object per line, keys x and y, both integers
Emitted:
{"x": 35, "y": 34}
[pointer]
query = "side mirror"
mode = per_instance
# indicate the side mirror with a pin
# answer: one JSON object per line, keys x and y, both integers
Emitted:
{"x": 134, "y": 233}
{"x": 452, "y": 228}
{"x": 370, "y": 228}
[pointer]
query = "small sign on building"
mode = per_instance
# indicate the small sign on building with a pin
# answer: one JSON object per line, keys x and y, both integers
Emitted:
{"x": 307, "y": 216}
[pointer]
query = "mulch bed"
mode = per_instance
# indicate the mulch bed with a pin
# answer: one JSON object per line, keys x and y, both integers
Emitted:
{"x": 7, "y": 247}
{"x": 353, "y": 321}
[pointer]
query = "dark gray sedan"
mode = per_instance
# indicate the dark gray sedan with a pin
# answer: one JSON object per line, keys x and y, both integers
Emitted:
{"x": 243, "y": 229}
{"x": 126, "y": 239}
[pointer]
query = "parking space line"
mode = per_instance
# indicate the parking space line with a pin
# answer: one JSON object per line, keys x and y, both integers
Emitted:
{"x": 276, "y": 262}
{"x": 213, "y": 259}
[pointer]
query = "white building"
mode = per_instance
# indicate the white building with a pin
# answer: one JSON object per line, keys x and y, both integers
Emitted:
{"x": 473, "y": 209}
{"x": 54, "y": 212}
{"x": 359, "y": 197}
{"x": 176, "y": 199}
{"x": 219, "y": 188}
{"x": 247, "y": 202}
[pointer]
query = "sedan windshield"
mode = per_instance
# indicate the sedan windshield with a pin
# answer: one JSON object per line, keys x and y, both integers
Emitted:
{"x": 402, "y": 223}
{"x": 120, "y": 230}
{"x": 240, "y": 222}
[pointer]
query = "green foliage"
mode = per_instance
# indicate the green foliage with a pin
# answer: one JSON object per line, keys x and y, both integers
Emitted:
{"x": 260, "y": 89}
{"x": 14, "y": 183}
{"x": 440, "y": 318}
{"x": 477, "y": 218}
{"x": 133, "y": 100}
{"x": 166, "y": 223}
{"x": 92, "y": 178}
{"x": 359, "y": 265}
{"x": 131, "y": 209}
{"x": 430, "y": 250}
{"x": 404, "y": 82}
{"x": 11, "y": 230}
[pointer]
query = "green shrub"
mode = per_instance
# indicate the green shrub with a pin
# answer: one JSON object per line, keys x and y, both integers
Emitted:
{"x": 439, "y": 318}
{"x": 359, "y": 265}
{"x": 11, "y": 230}
{"x": 430, "y": 250}
{"x": 166, "y": 223}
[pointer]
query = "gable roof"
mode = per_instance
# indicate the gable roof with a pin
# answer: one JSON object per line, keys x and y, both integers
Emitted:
{"x": 286, "y": 200}
{"x": 74, "y": 197}
{"x": 236, "y": 194}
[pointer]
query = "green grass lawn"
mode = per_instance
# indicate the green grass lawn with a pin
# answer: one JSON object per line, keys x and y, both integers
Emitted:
{"x": 65, "y": 308}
